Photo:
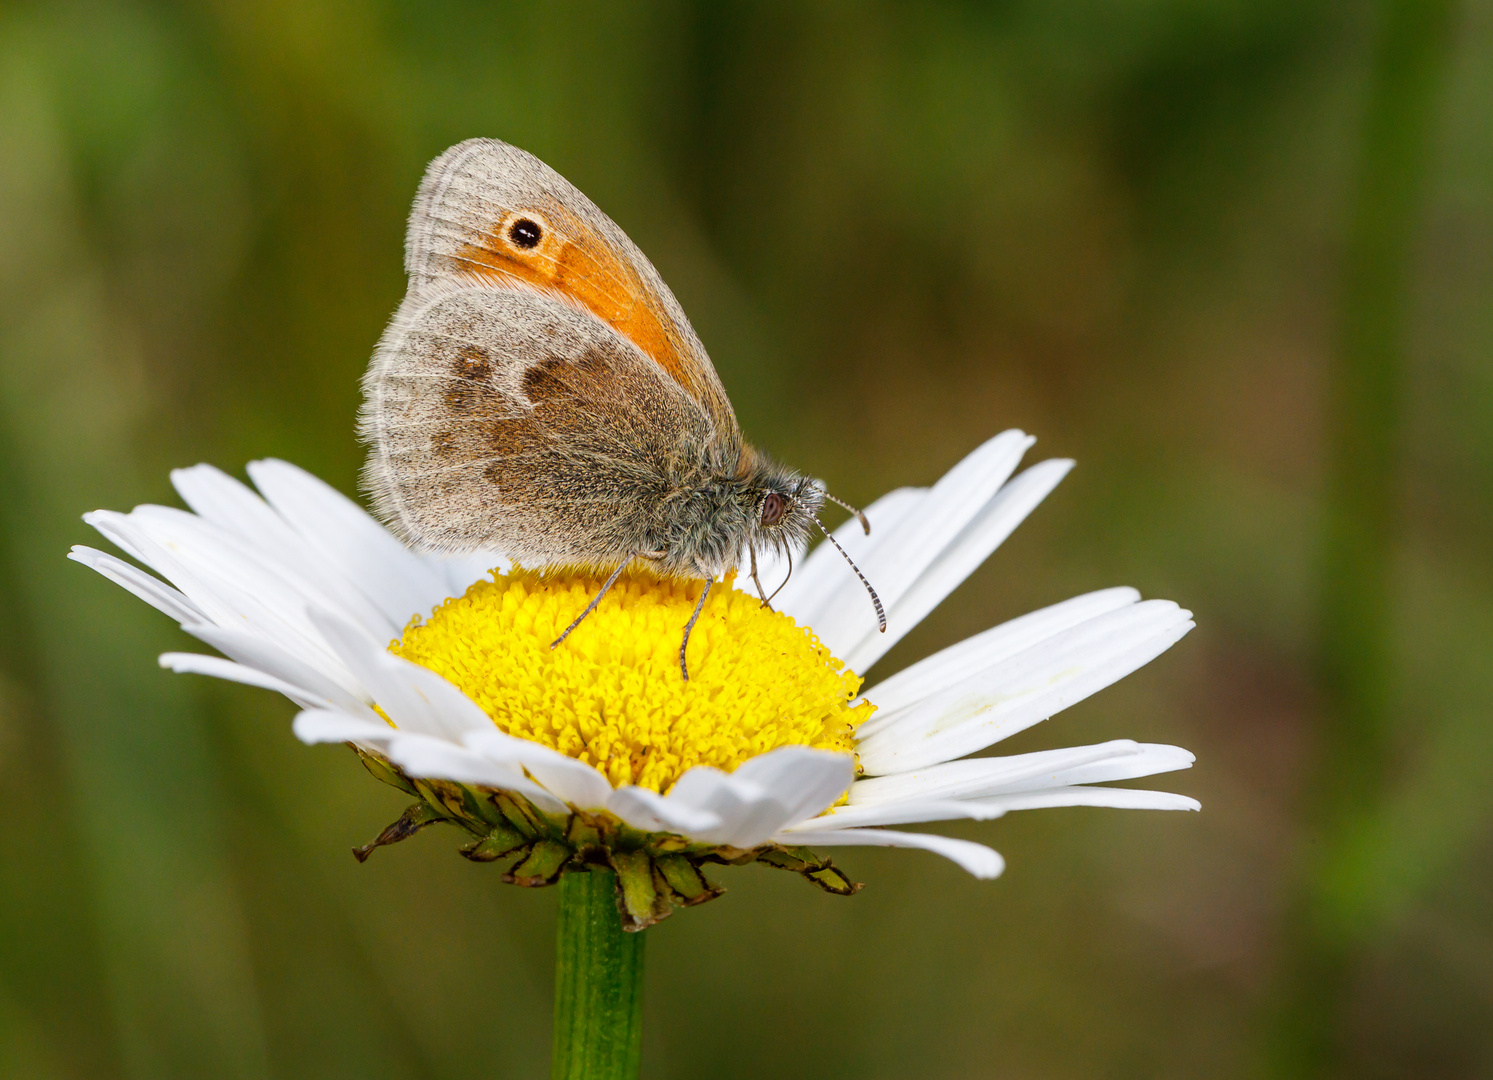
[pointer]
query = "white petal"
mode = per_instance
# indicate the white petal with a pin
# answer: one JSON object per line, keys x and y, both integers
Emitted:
{"x": 315, "y": 726}
{"x": 572, "y": 781}
{"x": 152, "y": 590}
{"x": 803, "y": 780}
{"x": 734, "y": 802}
{"x": 416, "y": 699}
{"x": 765, "y": 794}
{"x": 435, "y": 758}
{"x": 230, "y": 585}
{"x": 1117, "y": 798}
{"x": 649, "y": 811}
{"x": 914, "y": 811}
{"x": 219, "y": 668}
{"x": 127, "y": 535}
{"x": 893, "y": 562}
{"x": 1025, "y": 689}
{"x": 221, "y": 500}
{"x": 233, "y": 565}
{"x": 330, "y": 680}
{"x": 1153, "y": 758}
{"x": 962, "y": 557}
{"x": 977, "y": 777}
{"x": 911, "y": 812}
{"x": 397, "y": 580}
{"x": 419, "y": 755}
{"x": 978, "y": 859}
{"x": 972, "y": 655}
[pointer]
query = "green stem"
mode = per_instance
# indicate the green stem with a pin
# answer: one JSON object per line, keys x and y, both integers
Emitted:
{"x": 598, "y": 983}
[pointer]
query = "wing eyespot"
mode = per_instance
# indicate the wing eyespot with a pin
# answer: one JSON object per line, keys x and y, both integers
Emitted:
{"x": 525, "y": 233}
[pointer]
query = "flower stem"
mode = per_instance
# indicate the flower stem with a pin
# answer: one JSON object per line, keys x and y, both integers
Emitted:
{"x": 598, "y": 983}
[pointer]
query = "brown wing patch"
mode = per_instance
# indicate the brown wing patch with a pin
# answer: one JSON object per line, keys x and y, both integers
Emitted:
{"x": 571, "y": 259}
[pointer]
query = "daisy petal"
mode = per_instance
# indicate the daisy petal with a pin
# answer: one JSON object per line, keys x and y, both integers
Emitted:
{"x": 222, "y": 501}
{"x": 400, "y": 582}
{"x": 985, "y": 650}
{"x": 1120, "y": 759}
{"x": 572, "y": 781}
{"x": 803, "y": 780}
{"x": 708, "y": 789}
{"x": 895, "y": 560}
{"x": 979, "y": 860}
{"x": 1114, "y": 797}
{"x": 462, "y": 571}
{"x": 646, "y": 809}
{"x": 912, "y": 812}
{"x": 1025, "y": 689}
{"x": 228, "y": 563}
{"x": 1008, "y": 509}
{"x": 127, "y": 535}
{"x": 152, "y": 590}
{"x": 1152, "y": 758}
{"x": 765, "y": 794}
{"x": 315, "y": 726}
{"x": 426, "y": 756}
{"x": 331, "y": 681}
{"x": 231, "y": 586}
{"x": 219, "y": 668}
{"x": 416, "y": 699}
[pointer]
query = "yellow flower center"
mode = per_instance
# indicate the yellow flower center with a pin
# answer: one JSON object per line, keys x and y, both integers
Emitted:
{"x": 612, "y": 695}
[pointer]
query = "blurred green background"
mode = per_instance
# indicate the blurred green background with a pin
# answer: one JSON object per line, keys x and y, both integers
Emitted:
{"x": 1236, "y": 256}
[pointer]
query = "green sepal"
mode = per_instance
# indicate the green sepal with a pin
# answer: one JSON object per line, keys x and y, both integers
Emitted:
{"x": 724, "y": 855}
{"x": 640, "y": 900}
{"x": 520, "y": 814}
{"x": 818, "y": 869}
{"x": 460, "y": 803}
{"x": 685, "y": 880}
{"x": 582, "y": 835}
{"x": 386, "y": 772}
{"x": 541, "y": 866}
{"x": 503, "y": 840}
{"x": 409, "y": 823}
{"x": 655, "y": 872}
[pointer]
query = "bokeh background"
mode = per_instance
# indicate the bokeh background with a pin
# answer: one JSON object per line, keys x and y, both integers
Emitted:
{"x": 1235, "y": 256}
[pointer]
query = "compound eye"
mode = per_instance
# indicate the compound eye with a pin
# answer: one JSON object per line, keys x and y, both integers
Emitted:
{"x": 773, "y": 508}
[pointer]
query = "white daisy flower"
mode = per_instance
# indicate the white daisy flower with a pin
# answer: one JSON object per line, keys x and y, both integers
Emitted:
{"x": 598, "y": 751}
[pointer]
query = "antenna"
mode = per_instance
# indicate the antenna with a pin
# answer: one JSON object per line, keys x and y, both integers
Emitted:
{"x": 875, "y": 600}
{"x": 865, "y": 522}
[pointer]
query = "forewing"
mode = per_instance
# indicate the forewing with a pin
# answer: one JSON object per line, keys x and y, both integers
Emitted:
{"x": 464, "y": 221}
{"x": 500, "y": 416}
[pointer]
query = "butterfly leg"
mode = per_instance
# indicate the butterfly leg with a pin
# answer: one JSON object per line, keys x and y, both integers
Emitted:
{"x": 683, "y": 667}
{"x": 594, "y": 601}
{"x": 768, "y": 601}
{"x": 761, "y": 592}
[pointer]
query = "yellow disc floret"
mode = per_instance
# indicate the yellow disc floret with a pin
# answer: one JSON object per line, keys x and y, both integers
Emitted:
{"x": 612, "y": 695}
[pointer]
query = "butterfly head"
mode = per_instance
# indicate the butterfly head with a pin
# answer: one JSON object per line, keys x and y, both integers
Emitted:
{"x": 781, "y": 506}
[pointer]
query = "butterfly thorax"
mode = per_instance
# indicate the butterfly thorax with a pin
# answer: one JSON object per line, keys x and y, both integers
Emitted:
{"x": 718, "y": 512}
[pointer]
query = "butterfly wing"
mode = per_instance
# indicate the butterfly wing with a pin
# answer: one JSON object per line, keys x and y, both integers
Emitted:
{"x": 491, "y": 209}
{"x": 505, "y": 416}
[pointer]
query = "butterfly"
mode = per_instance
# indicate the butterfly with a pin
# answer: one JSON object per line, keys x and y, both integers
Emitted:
{"x": 540, "y": 392}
